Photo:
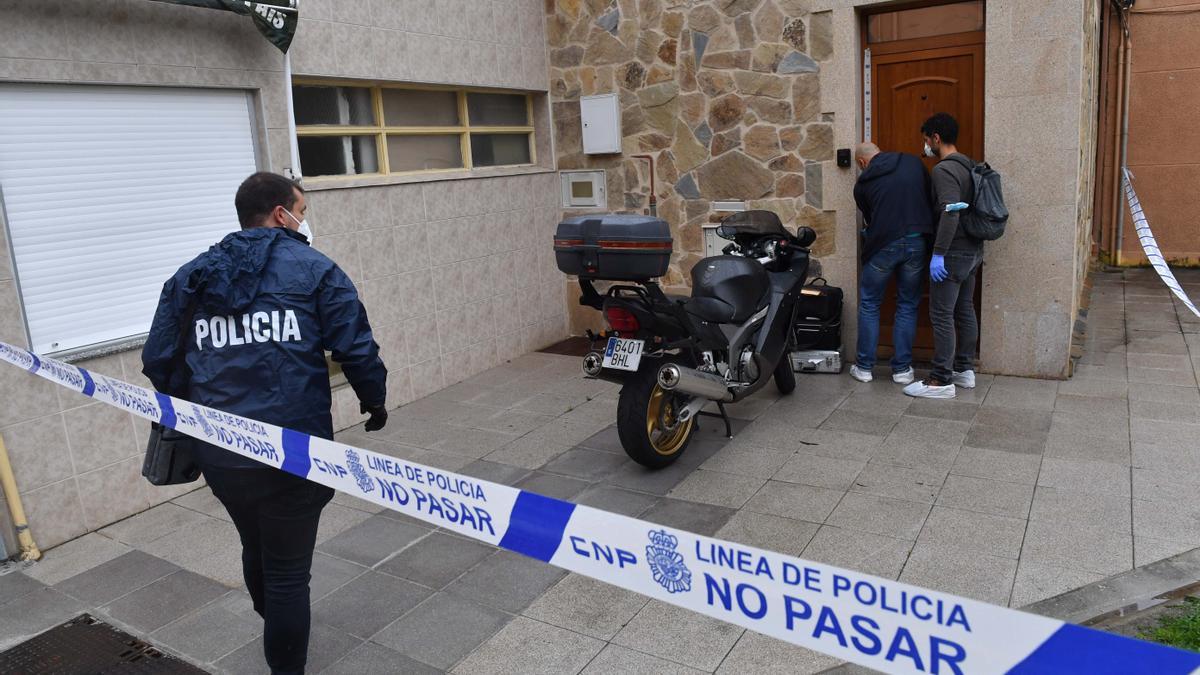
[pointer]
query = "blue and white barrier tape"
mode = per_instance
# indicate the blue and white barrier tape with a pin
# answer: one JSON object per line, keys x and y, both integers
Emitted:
{"x": 879, "y": 623}
{"x": 1150, "y": 244}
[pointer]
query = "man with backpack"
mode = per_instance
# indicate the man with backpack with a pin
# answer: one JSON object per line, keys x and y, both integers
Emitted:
{"x": 957, "y": 254}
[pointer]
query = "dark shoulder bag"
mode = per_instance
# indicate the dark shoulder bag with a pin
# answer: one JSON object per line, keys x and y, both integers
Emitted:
{"x": 169, "y": 453}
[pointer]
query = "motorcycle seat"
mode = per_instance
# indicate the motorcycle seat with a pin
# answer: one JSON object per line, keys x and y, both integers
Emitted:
{"x": 711, "y": 310}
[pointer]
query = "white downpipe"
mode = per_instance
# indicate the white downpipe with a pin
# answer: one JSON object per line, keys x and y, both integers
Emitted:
{"x": 297, "y": 173}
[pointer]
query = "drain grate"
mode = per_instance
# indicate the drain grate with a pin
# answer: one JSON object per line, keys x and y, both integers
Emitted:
{"x": 87, "y": 646}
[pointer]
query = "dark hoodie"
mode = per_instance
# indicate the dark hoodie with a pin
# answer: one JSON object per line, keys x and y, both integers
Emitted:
{"x": 893, "y": 195}
{"x": 266, "y": 307}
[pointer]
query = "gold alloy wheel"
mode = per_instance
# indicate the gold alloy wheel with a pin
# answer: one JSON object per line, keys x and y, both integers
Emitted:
{"x": 660, "y": 414}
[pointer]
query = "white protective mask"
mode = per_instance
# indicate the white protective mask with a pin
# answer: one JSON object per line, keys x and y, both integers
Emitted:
{"x": 304, "y": 229}
{"x": 929, "y": 151}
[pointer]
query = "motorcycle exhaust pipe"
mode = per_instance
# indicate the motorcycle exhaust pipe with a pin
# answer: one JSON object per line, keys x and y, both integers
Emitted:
{"x": 673, "y": 377}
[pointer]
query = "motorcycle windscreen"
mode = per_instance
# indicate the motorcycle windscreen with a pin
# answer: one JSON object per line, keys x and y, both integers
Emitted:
{"x": 754, "y": 223}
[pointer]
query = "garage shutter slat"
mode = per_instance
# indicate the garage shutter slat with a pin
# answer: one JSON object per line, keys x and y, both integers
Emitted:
{"x": 107, "y": 191}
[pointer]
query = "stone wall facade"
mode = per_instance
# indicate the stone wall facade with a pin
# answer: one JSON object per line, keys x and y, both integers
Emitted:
{"x": 724, "y": 95}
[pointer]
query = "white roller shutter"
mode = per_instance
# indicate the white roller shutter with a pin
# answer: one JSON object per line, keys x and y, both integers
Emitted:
{"x": 107, "y": 191}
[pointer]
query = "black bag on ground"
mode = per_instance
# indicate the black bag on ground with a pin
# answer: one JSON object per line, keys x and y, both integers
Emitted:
{"x": 987, "y": 215}
{"x": 818, "y": 317}
{"x": 169, "y": 459}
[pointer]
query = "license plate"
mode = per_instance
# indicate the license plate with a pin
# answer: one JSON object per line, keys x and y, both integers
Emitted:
{"x": 623, "y": 354}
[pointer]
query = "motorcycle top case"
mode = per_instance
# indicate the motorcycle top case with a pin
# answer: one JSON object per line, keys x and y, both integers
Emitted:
{"x": 611, "y": 246}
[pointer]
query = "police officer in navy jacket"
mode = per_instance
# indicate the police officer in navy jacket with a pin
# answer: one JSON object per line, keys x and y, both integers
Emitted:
{"x": 244, "y": 328}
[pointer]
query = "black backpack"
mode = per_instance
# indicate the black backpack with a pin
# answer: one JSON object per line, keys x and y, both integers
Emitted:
{"x": 986, "y": 217}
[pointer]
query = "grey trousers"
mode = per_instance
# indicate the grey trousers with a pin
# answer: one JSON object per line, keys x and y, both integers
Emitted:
{"x": 952, "y": 312}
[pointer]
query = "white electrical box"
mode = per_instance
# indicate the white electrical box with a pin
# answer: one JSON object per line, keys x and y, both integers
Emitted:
{"x": 601, "y": 117}
{"x": 583, "y": 189}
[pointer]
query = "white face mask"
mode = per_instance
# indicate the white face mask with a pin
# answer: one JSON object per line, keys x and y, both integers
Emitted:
{"x": 929, "y": 151}
{"x": 304, "y": 229}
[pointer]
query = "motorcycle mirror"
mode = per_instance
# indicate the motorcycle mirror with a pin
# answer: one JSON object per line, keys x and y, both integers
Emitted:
{"x": 806, "y": 236}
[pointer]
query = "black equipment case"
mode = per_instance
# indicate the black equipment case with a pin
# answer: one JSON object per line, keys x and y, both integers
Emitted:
{"x": 819, "y": 316}
{"x": 618, "y": 247}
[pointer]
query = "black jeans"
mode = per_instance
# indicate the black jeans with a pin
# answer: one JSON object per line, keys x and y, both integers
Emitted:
{"x": 952, "y": 312}
{"x": 276, "y": 515}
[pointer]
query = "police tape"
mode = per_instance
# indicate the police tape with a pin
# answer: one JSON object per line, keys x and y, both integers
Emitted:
{"x": 1150, "y": 244}
{"x": 875, "y": 622}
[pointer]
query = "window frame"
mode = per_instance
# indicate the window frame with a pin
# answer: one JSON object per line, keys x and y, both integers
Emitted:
{"x": 381, "y": 131}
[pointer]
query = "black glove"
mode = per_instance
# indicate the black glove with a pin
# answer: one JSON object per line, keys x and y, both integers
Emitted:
{"x": 378, "y": 416}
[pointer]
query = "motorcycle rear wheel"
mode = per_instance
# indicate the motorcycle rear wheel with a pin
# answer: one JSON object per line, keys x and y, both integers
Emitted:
{"x": 646, "y": 423}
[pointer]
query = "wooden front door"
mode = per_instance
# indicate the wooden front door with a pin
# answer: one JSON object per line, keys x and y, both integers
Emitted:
{"x": 911, "y": 79}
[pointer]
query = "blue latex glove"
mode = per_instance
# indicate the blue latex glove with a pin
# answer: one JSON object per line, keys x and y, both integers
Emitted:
{"x": 937, "y": 268}
{"x": 957, "y": 206}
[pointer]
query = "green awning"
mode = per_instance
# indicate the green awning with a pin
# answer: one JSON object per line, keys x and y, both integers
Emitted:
{"x": 276, "y": 19}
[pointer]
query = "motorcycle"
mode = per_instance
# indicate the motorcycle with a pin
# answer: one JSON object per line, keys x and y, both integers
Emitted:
{"x": 674, "y": 355}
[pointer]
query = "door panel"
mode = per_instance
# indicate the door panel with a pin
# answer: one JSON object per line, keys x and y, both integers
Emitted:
{"x": 907, "y": 88}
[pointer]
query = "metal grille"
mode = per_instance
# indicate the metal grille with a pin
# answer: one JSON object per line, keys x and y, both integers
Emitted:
{"x": 86, "y": 646}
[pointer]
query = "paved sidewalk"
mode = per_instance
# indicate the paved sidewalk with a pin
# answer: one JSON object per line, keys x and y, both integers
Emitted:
{"x": 1014, "y": 492}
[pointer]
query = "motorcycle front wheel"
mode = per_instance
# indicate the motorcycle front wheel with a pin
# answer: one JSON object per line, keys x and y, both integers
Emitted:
{"x": 647, "y": 422}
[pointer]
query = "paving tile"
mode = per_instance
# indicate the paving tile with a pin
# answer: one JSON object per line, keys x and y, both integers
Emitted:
{"x": 494, "y": 472}
{"x": 618, "y": 659}
{"x": 634, "y": 476}
{"x": 1174, "y": 411}
{"x": 1105, "y": 552}
{"x": 1036, "y": 582}
{"x": 1090, "y": 405}
{"x": 971, "y": 531}
{"x": 924, "y": 454}
{"x": 213, "y": 631}
{"x": 792, "y": 500}
{"x": 1149, "y": 549}
{"x": 1014, "y": 467}
{"x": 552, "y": 485}
{"x": 987, "y": 496}
{"x": 1081, "y": 511}
{"x": 900, "y": 482}
{"x": 757, "y": 653}
{"x": 819, "y": 471}
{"x": 587, "y": 606}
{"x": 1144, "y": 391}
{"x": 1096, "y": 388}
{"x": 606, "y": 440}
{"x": 171, "y": 597}
{"x": 1014, "y": 419}
{"x": 878, "y": 398}
{"x": 122, "y": 575}
{"x": 209, "y": 548}
{"x": 836, "y": 444}
{"x": 372, "y": 659}
{"x": 744, "y": 459}
{"x": 982, "y": 577}
{"x": 367, "y": 604}
{"x": 1091, "y": 425}
{"x": 1172, "y": 520}
{"x": 1156, "y": 342}
{"x": 16, "y": 584}
{"x": 862, "y": 551}
{"x": 336, "y": 519}
{"x": 773, "y": 533}
{"x": 958, "y": 411}
{"x": 720, "y": 489}
{"x": 880, "y": 515}
{"x": 875, "y": 424}
{"x": 1094, "y": 372}
{"x": 528, "y": 646}
{"x": 442, "y": 630}
{"x": 1182, "y": 378}
{"x": 1086, "y": 476}
{"x": 588, "y": 465}
{"x": 1069, "y": 445}
{"x": 326, "y": 645}
{"x": 694, "y": 639}
{"x": 616, "y": 500}
{"x": 155, "y": 523}
{"x": 991, "y": 437}
{"x": 343, "y": 499}
{"x": 436, "y": 560}
{"x": 330, "y": 573}
{"x": 530, "y": 451}
{"x": 506, "y": 581}
{"x": 32, "y": 613}
{"x": 202, "y": 501}
{"x": 373, "y": 540}
{"x": 689, "y": 516}
{"x": 1011, "y": 392}
{"x": 1171, "y": 435}
{"x": 1168, "y": 361}
{"x": 74, "y": 557}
